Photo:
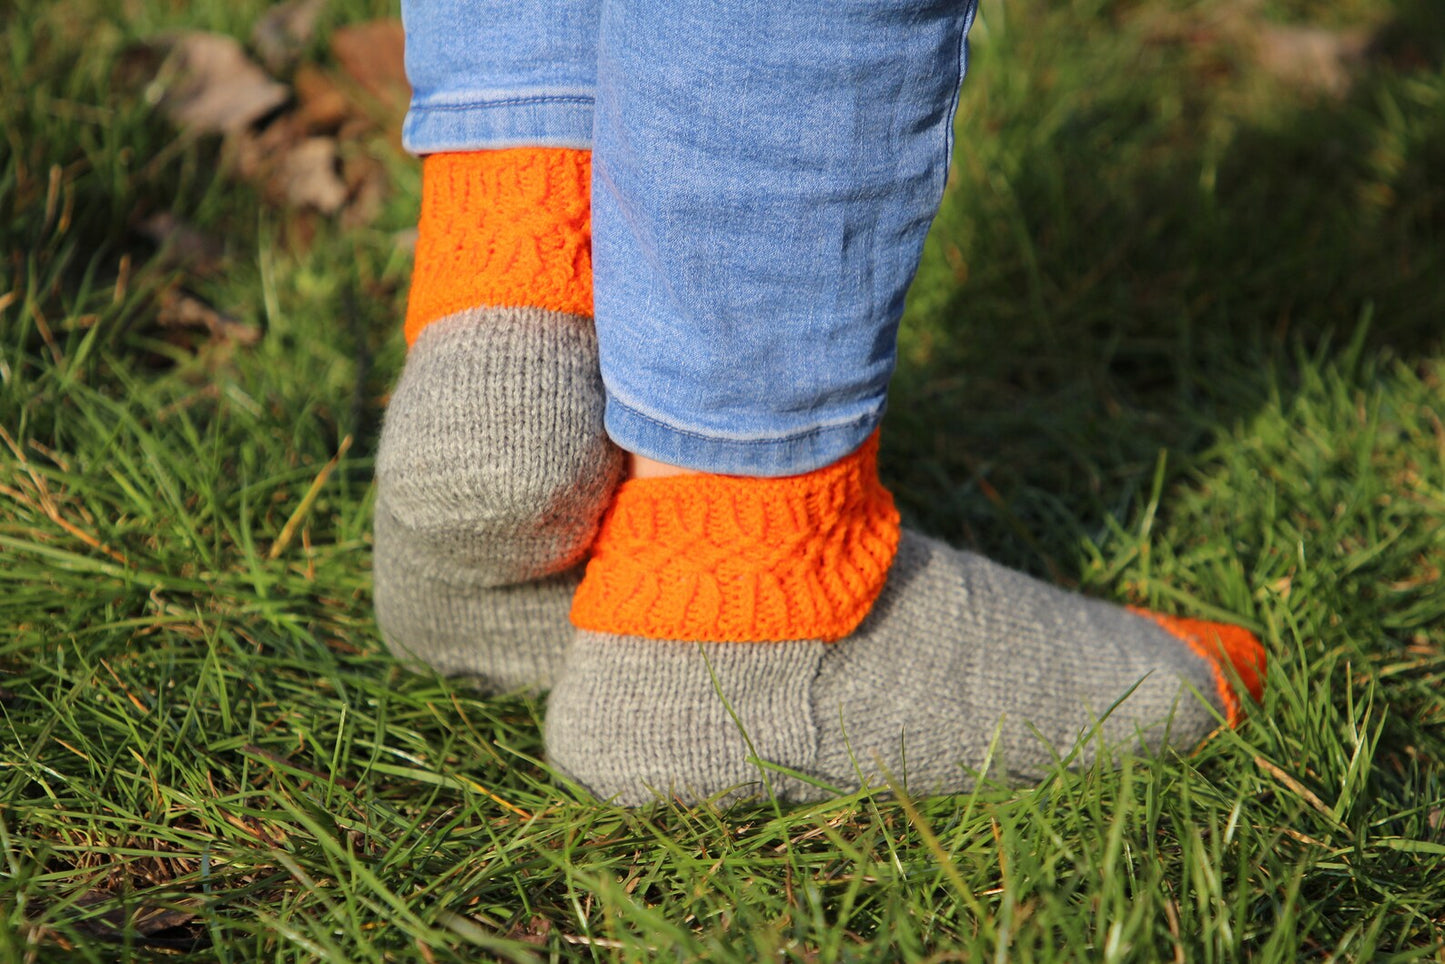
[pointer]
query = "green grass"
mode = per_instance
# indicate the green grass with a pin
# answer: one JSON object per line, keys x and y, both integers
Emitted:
{"x": 1177, "y": 341}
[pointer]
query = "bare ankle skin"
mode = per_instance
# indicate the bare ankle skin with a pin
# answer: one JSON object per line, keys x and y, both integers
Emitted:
{"x": 642, "y": 467}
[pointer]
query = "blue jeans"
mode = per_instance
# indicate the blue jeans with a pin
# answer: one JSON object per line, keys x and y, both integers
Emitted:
{"x": 764, "y": 173}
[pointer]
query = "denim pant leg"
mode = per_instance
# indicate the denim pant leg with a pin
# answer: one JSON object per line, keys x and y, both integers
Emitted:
{"x": 499, "y": 73}
{"x": 764, "y": 174}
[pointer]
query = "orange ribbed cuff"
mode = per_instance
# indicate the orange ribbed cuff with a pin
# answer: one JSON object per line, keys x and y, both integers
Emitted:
{"x": 506, "y": 228}
{"x": 1223, "y": 645}
{"x": 716, "y": 558}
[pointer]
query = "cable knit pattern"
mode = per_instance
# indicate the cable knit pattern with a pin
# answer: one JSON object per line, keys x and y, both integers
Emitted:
{"x": 1221, "y": 644}
{"x": 729, "y": 559}
{"x": 505, "y": 228}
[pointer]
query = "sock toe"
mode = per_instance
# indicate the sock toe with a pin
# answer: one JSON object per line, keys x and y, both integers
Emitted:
{"x": 1234, "y": 654}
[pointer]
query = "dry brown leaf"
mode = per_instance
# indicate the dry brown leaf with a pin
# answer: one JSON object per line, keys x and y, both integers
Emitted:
{"x": 254, "y": 154}
{"x": 1313, "y": 59}
{"x": 183, "y": 310}
{"x": 366, "y": 184}
{"x": 151, "y": 925}
{"x": 533, "y": 932}
{"x": 284, "y": 31}
{"x": 135, "y": 68}
{"x": 207, "y": 85}
{"x": 182, "y": 244}
{"x": 372, "y": 54}
{"x": 306, "y": 176}
{"x": 1234, "y": 35}
{"x": 321, "y": 106}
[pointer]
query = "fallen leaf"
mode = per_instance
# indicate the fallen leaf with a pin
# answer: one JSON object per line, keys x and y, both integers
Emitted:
{"x": 283, "y": 32}
{"x": 366, "y": 185}
{"x": 207, "y": 85}
{"x": 182, "y": 310}
{"x": 1234, "y": 36}
{"x": 321, "y": 106}
{"x": 307, "y": 176}
{"x": 181, "y": 244}
{"x": 150, "y": 925}
{"x": 253, "y": 155}
{"x": 135, "y": 68}
{"x": 373, "y": 55}
{"x": 1312, "y": 59}
{"x": 533, "y": 932}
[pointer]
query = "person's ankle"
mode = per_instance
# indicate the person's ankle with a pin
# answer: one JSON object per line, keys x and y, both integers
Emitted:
{"x": 642, "y": 467}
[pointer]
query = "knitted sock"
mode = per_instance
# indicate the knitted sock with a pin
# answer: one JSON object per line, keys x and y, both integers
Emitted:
{"x": 494, "y": 469}
{"x": 672, "y": 687}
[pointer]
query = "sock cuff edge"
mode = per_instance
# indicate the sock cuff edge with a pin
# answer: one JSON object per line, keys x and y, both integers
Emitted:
{"x": 510, "y": 227}
{"x": 713, "y": 558}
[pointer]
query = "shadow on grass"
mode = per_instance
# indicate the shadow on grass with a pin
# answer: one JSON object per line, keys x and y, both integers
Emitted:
{"x": 1111, "y": 293}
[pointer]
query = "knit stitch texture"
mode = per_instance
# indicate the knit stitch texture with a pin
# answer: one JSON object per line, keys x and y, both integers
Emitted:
{"x": 961, "y": 666}
{"x": 1231, "y": 650}
{"x": 493, "y": 471}
{"x": 494, "y": 468}
{"x": 729, "y": 559}
{"x": 506, "y": 228}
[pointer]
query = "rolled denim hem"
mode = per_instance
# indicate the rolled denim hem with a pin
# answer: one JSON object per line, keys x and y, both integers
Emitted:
{"x": 767, "y": 457}
{"x": 543, "y": 120}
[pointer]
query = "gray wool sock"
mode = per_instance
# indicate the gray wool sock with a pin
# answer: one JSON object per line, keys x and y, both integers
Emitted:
{"x": 958, "y": 653}
{"x": 492, "y": 474}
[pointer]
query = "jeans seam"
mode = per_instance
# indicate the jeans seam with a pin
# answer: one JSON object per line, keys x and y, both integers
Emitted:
{"x": 961, "y": 59}
{"x": 509, "y": 102}
{"x": 713, "y": 439}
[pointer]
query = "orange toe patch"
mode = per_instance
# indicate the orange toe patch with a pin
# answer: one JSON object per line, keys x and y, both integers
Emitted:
{"x": 1221, "y": 644}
